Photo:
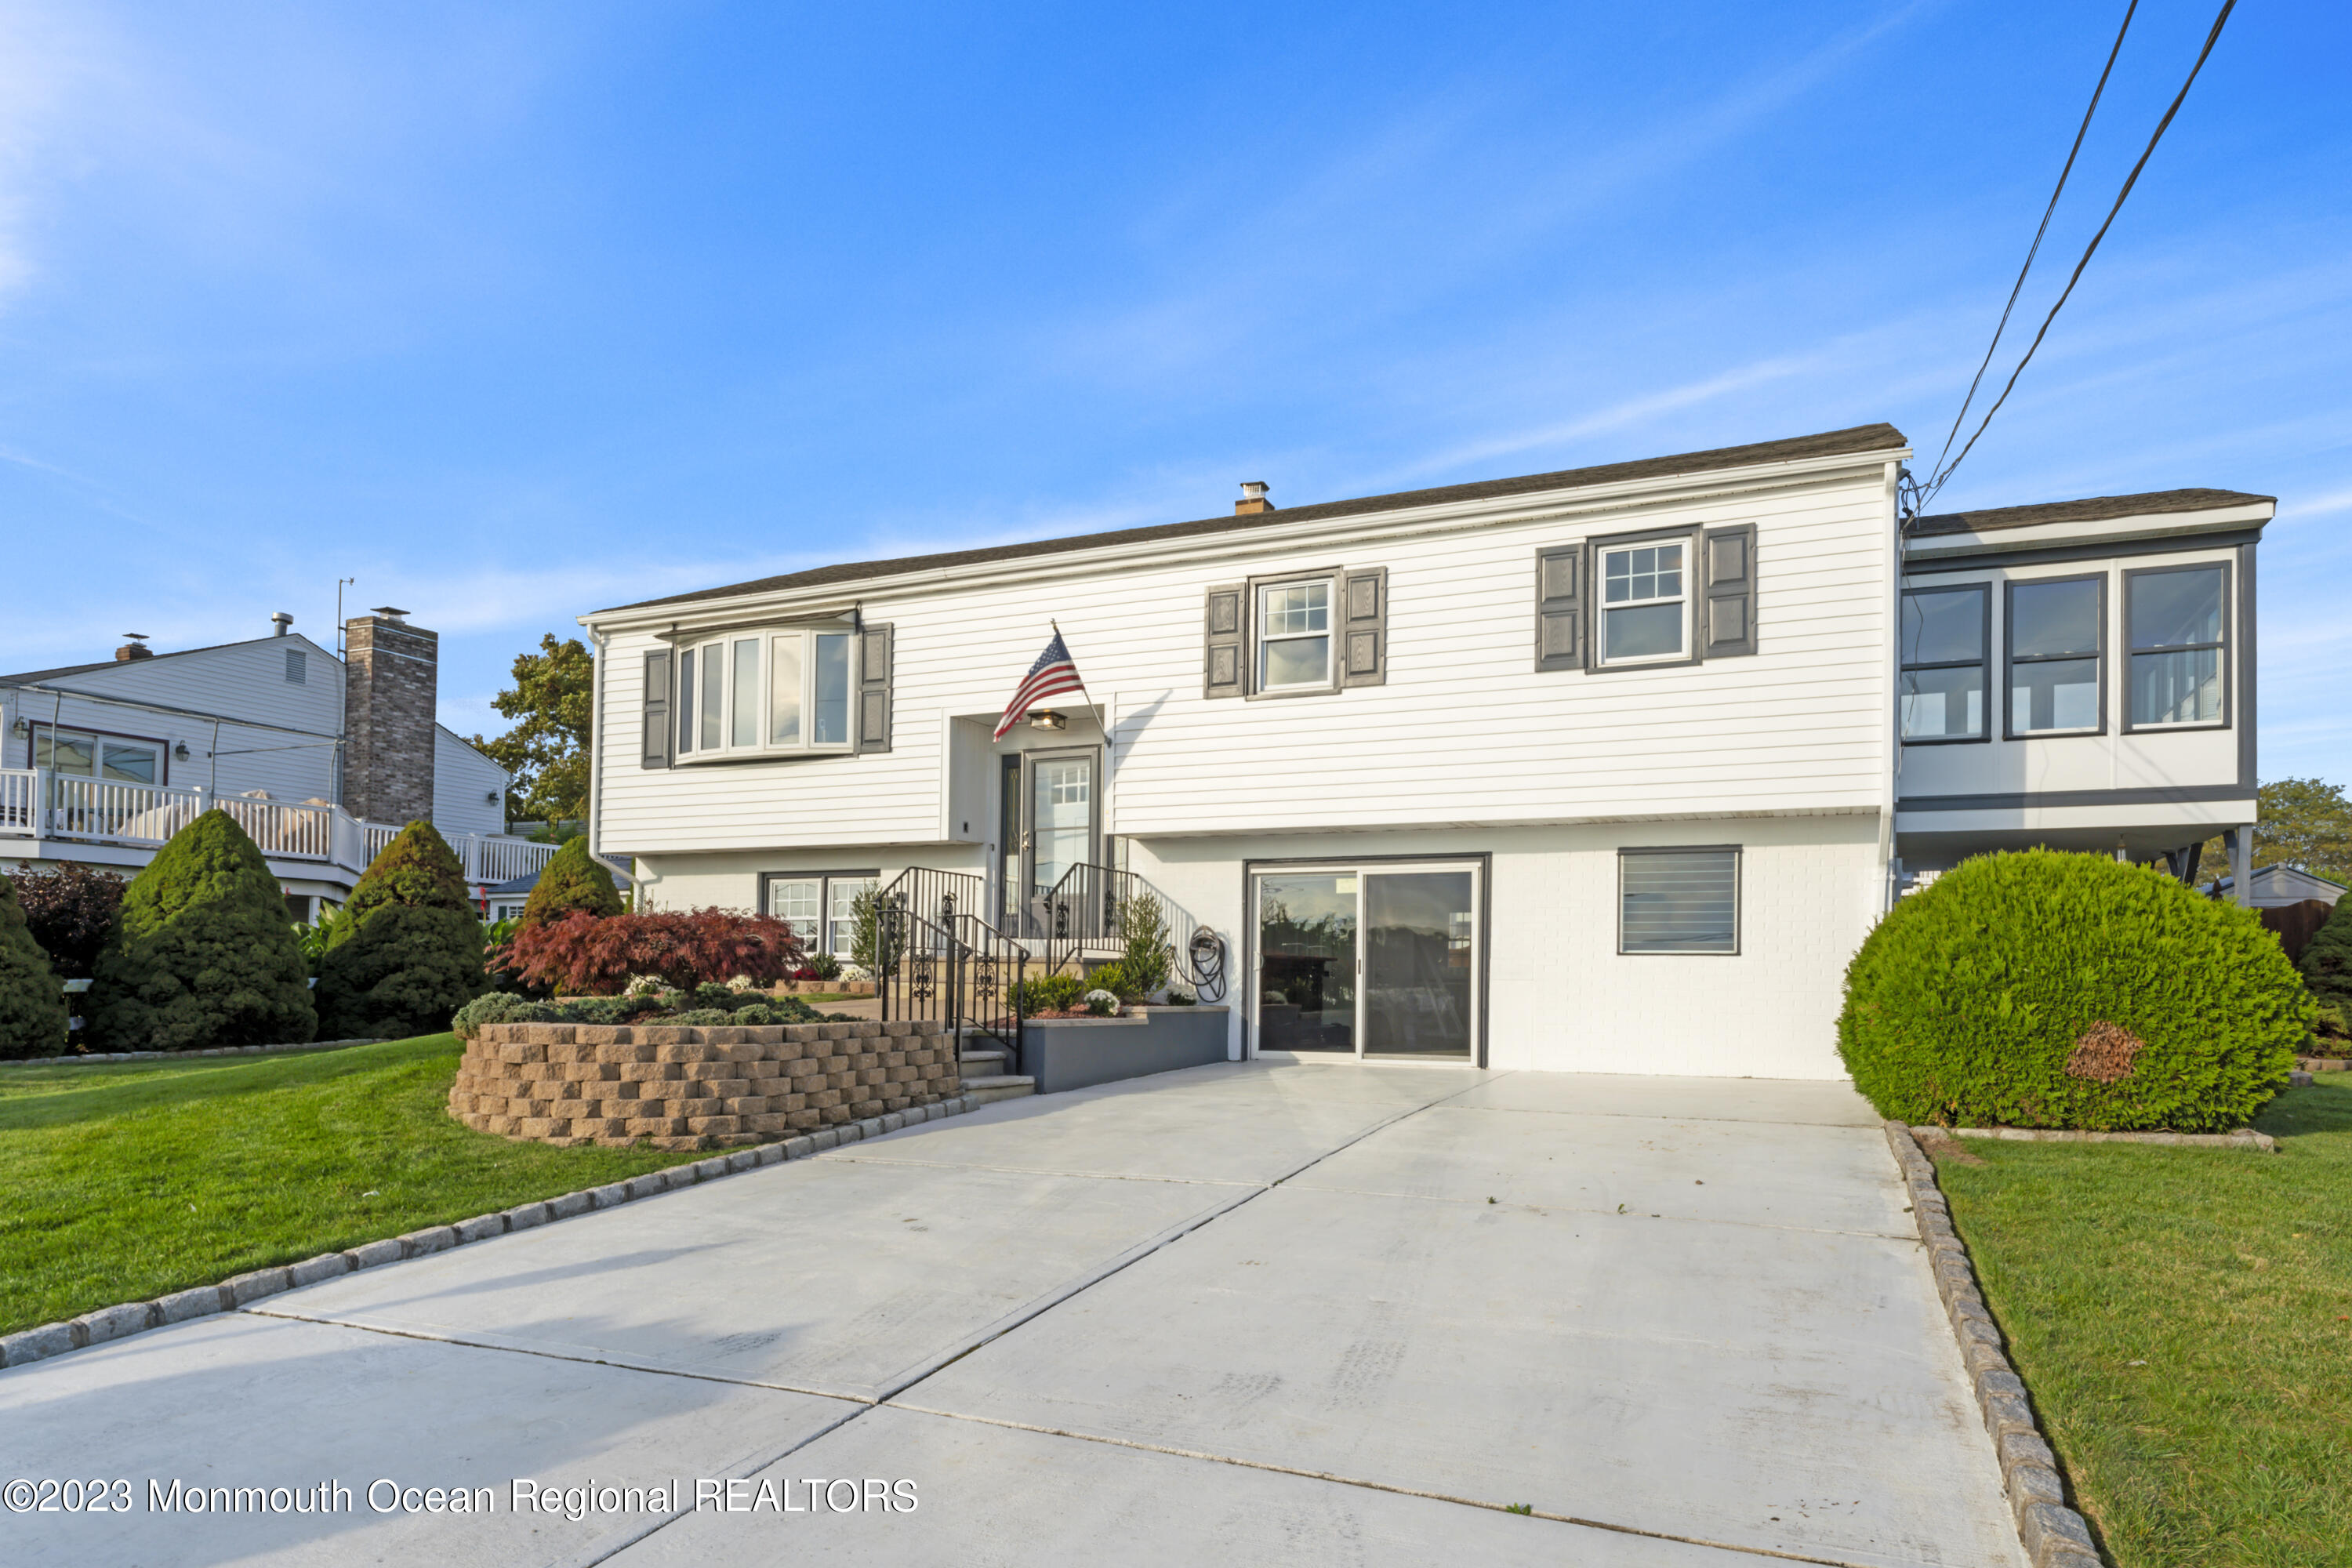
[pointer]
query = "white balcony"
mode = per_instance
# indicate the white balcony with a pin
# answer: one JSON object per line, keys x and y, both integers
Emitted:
{"x": 38, "y": 804}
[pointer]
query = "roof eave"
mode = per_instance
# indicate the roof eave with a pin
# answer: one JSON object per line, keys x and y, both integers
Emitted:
{"x": 2231, "y": 519}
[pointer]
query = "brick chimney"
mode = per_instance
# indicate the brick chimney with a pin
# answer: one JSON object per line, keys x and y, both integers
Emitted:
{"x": 134, "y": 645}
{"x": 1252, "y": 498}
{"x": 390, "y": 680}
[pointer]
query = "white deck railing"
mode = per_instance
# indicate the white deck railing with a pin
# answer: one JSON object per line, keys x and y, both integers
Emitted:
{"x": 42, "y": 805}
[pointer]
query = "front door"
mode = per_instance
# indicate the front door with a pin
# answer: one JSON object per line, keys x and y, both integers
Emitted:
{"x": 1060, "y": 799}
{"x": 1368, "y": 961}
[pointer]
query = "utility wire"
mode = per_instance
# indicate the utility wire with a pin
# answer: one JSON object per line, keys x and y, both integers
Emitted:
{"x": 2210, "y": 40}
{"x": 2035, "y": 249}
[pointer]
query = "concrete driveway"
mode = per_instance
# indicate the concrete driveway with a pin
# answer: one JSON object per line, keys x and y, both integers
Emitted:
{"x": 1313, "y": 1314}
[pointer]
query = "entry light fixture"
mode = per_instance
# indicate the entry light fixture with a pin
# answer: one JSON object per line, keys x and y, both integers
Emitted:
{"x": 180, "y": 752}
{"x": 1047, "y": 719}
{"x": 493, "y": 797}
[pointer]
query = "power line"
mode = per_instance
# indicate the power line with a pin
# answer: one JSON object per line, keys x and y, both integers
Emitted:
{"x": 2035, "y": 249}
{"x": 2210, "y": 40}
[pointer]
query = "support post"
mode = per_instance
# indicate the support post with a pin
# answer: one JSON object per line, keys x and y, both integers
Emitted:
{"x": 2240, "y": 844}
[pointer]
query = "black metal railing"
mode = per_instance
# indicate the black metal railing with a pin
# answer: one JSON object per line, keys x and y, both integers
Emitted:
{"x": 939, "y": 895}
{"x": 957, "y": 969}
{"x": 1087, "y": 913}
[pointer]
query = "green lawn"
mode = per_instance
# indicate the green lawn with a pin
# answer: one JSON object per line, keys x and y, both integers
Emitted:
{"x": 2183, "y": 1318}
{"x": 126, "y": 1182}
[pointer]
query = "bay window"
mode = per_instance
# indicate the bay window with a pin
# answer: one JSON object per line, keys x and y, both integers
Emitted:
{"x": 764, "y": 694}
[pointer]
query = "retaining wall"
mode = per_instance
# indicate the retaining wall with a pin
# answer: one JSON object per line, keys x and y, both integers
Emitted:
{"x": 677, "y": 1087}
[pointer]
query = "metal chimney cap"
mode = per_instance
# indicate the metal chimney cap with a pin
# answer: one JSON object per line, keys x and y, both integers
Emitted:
{"x": 136, "y": 636}
{"x": 391, "y": 614}
{"x": 1254, "y": 488}
{"x": 280, "y": 621}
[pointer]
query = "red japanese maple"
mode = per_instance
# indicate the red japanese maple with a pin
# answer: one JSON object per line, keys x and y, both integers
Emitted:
{"x": 594, "y": 956}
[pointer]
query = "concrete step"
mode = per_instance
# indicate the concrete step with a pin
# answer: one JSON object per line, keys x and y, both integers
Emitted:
{"x": 980, "y": 1061}
{"x": 999, "y": 1086}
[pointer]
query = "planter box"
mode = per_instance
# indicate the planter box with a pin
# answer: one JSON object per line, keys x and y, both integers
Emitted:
{"x": 1063, "y": 1054}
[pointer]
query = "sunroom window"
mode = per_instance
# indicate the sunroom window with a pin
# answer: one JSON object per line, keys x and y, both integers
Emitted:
{"x": 1294, "y": 649}
{"x": 2054, "y": 655}
{"x": 2178, "y": 625}
{"x": 1646, "y": 609}
{"x": 1944, "y": 664}
{"x": 763, "y": 694}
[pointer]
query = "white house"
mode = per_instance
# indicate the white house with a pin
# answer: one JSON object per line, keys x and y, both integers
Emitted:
{"x": 321, "y": 762}
{"x": 1608, "y": 769}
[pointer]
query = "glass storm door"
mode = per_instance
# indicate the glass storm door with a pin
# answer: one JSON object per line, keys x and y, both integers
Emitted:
{"x": 1060, "y": 811}
{"x": 1369, "y": 962}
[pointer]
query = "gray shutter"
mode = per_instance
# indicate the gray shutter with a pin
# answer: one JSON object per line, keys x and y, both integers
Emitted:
{"x": 1364, "y": 648}
{"x": 1562, "y": 603}
{"x": 874, "y": 690}
{"x": 1222, "y": 669}
{"x": 1730, "y": 558}
{"x": 656, "y": 709}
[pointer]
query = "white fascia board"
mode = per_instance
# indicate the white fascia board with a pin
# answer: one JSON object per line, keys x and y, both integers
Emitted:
{"x": 1273, "y": 538}
{"x": 2148, "y": 525}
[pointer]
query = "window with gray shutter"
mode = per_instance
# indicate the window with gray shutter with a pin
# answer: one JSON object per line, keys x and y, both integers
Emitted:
{"x": 1561, "y": 605}
{"x": 1678, "y": 899}
{"x": 1730, "y": 563}
{"x": 1364, "y": 646}
{"x": 657, "y": 710}
{"x": 874, "y": 691}
{"x": 1220, "y": 671}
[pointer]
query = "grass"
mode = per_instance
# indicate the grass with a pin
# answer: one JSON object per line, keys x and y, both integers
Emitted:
{"x": 2183, "y": 1318}
{"x": 125, "y": 1182}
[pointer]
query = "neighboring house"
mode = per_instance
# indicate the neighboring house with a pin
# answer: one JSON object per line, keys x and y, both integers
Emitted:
{"x": 1608, "y": 769}
{"x": 321, "y": 762}
{"x": 2278, "y": 887}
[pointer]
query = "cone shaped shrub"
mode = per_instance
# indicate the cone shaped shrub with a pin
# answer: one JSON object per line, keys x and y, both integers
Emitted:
{"x": 409, "y": 954}
{"x": 202, "y": 953}
{"x": 2046, "y": 989}
{"x": 32, "y": 1002}
{"x": 2326, "y": 963}
{"x": 571, "y": 880}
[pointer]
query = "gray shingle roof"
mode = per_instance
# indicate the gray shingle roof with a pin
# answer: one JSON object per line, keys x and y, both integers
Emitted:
{"x": 1829, "y": 443}
{"x": 2095, "y": 509}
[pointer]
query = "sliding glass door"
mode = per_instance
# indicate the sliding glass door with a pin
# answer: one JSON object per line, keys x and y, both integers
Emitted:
{"x": 1375, "y": 960}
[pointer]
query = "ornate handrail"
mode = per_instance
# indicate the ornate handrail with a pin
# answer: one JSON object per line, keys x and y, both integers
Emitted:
{"x": 959, "y": 970}
{"x": 1089, "y": 908}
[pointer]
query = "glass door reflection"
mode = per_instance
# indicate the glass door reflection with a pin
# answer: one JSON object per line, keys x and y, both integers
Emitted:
{"x": 1420, "y": 960}
{"x": 1307, "y": 963}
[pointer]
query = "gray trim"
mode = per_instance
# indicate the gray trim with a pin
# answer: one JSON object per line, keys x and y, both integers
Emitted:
{"x": 1739, "y": 894}
{"x": 2227, "y": 647}
{"x": 1363, "y": 627}
{"x": 655, "y": 710}
{"x": 2009, "y": 730}
{"x": 2152, "y": 794}
{"x": 1247, "y": 976}
{"x": 2055, "y": 554}
{"x": 1733, "y": 589}
{"x": 1694, "y": 596}
{"x": 1562, "y": 642}
{"x": 1336, "y": 576}
{"x": 875, "y": 696}
{"x": 2247, "y": 685}
{"x": 1224, "y": 629}
{"x": 1983, "y": 737}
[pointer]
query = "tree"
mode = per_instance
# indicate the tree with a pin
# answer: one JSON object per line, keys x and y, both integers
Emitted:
{"x": 2326, "y": 962}
{"x": 580, "y": 953}
{"x": 408, "y": 951}
{"x": 32, "y": 1003}
{"x": 2306, "y": 823}
{"x": 202, "y": 953}
{"x": 69, "y": 910}
{"x": 552, "y": 703}
{"x": 571, "y": 880}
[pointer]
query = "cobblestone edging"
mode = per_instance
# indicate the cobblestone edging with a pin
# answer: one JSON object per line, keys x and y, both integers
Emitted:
{"x": 2054, "y": 1535}
{"x": 208, "y": 1051}
{"x": 117, "y": 1322}
{"x": 2243, "y": 1137}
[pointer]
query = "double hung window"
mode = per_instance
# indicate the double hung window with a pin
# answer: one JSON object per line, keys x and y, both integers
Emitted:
{"x": 2055, "y": 629}
{"x": 818, "y": 908}
{"x": 1944, "y": 641}
{"x": 764, "y": 693}
{"x": 1678, "y": 900}
{"x": 1294, "y": 637}
{"x": 1646, "y": 601}
{"x": 2179, "y": 633}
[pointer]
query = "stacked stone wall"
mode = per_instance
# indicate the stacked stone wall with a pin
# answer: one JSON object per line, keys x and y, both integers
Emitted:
{"x": 686, "y": 1087}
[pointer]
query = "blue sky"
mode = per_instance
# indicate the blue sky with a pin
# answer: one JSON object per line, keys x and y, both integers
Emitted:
{"x": 514, "y": 311}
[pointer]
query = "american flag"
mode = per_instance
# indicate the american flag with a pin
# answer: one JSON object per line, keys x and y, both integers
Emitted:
{"x": 1051, "y": 675}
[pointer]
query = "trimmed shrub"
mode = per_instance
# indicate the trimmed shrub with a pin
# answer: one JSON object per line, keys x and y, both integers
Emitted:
{"x": 1051, "y": 992}
{"x": 580, "y": 953}
{"x": 1143, "y": 936}
{"x": 571, "y": 880}
{"x": 408, "y": 951}
{"x": 32, "y": 1004}
{"x": 2046, "y": 989}
{"x": 69, "y": 911}
{"x": 671, "y": 1007}
{"x": 2326, "y": 962}
{"x": 202, "y": 953}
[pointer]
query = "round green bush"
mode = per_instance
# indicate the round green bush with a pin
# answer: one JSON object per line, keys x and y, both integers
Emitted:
{"x": 571, "y": 880}
{"x": 2326, "y": 963}
{"x": 32, "y": 1003}
{"x": 408, "y": 952}
{"x": 202, "y": 953}
{"x": 2046, "y": 989}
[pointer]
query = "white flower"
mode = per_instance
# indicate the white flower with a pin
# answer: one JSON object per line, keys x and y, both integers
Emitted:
{"x": 1101, "y": 1002}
